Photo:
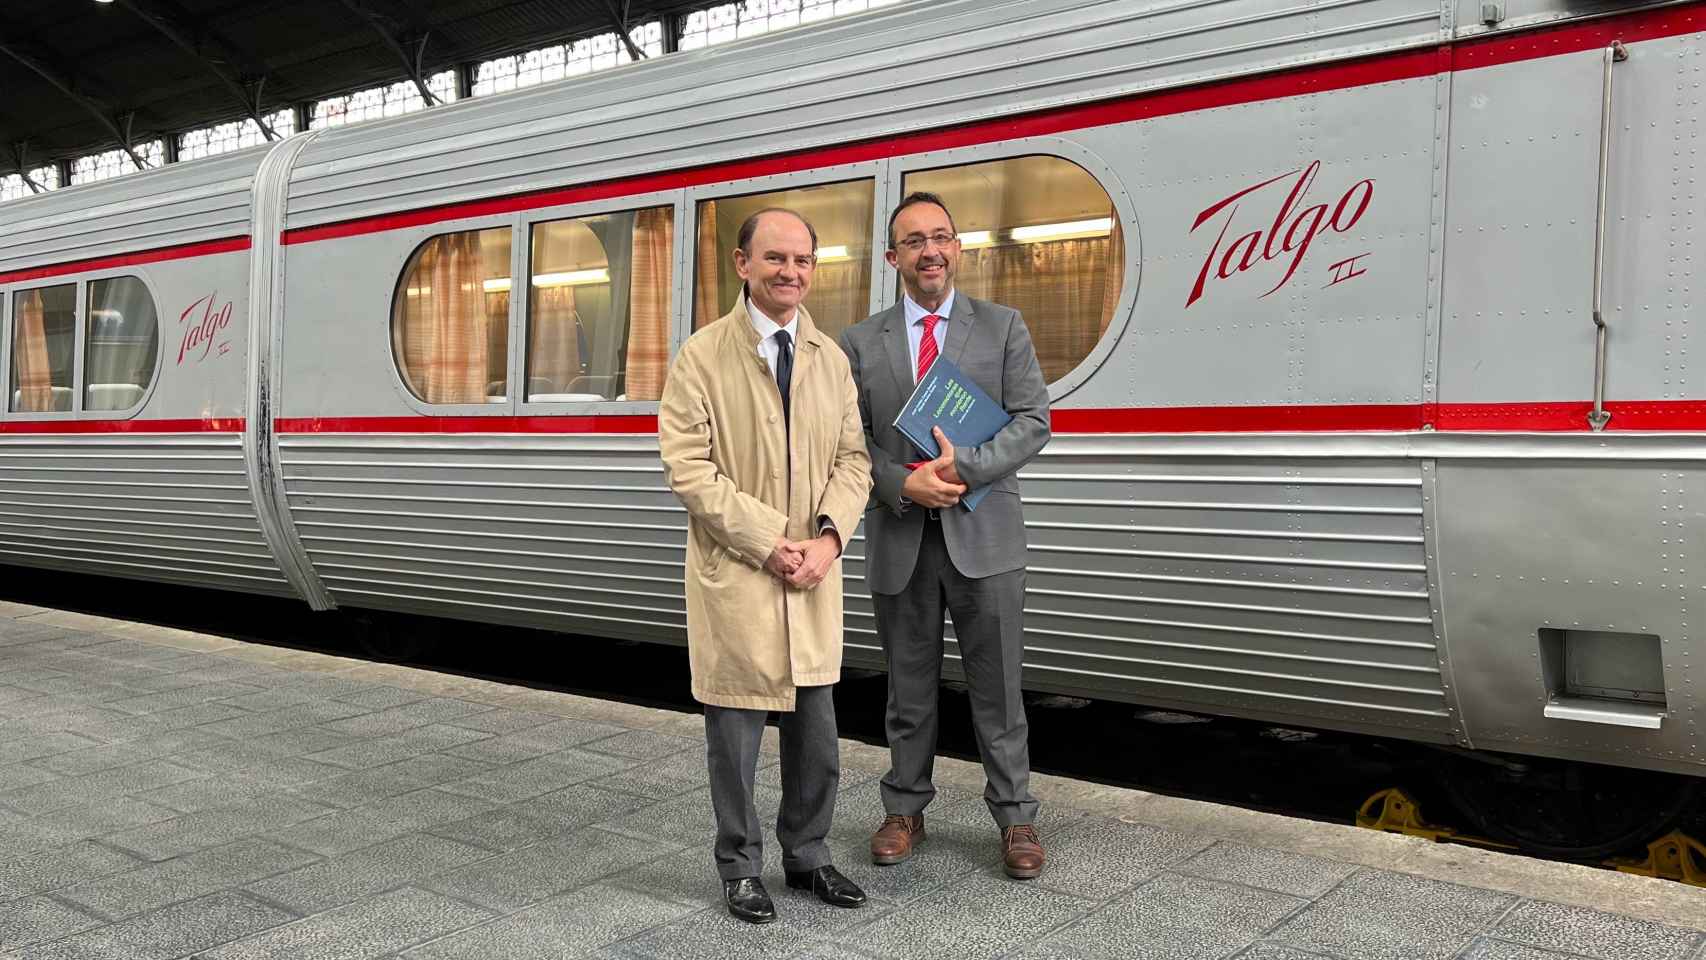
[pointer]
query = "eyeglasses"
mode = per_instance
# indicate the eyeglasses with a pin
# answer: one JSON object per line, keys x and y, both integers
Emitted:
{"x": 916, "y": 243}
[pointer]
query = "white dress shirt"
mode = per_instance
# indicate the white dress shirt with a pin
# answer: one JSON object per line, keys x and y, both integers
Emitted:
{"x": 915, "y": 315}
{"x": 767, "y": 328}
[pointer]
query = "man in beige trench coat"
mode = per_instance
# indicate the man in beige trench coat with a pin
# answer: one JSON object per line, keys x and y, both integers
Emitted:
{"x": 761, "y": 440}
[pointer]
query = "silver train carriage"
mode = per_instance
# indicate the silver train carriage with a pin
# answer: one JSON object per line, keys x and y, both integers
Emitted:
{"x": 1367, "y": 324}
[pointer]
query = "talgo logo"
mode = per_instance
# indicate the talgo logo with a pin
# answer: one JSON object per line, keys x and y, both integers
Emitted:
{"x": 201, "y": 333}
{"x": 1287, "y": 237}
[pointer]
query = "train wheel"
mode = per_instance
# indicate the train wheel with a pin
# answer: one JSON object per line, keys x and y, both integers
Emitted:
{"x": 393, "y": 639}
{"x": 1567, "y": 810}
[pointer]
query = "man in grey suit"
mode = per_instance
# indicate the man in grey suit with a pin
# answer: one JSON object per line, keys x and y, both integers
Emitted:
{"x": 924, "y": 553}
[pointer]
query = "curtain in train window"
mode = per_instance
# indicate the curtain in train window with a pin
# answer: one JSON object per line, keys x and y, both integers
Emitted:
{"x": 1038, "y": 234}
{"x": 600, "y": 307}
{"x": 123, "y": 340}
{"x": 840, "y": 292}
{"x": 44, "y": 336}
{"x": 450, "y": 324}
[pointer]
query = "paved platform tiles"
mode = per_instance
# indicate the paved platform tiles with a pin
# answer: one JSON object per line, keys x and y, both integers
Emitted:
{"x": 166, "y": 794}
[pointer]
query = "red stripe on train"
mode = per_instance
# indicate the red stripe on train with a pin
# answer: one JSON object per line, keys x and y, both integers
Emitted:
{"x": 1319, "y": 78}
{"x": 1627, "y": 416}
{"x": 156, "y": 255}
{"x": 210, "y": 425}
{"x": 1654, "y": 415}
{"x": 614, "y": 423}
{"x": 1249, "y": 419}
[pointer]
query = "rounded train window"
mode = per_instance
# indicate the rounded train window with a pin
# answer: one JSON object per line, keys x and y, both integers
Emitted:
{"x": 123, "y": 341}
{"x": 450, "y": 318}
{"x": 1038, "y": 234}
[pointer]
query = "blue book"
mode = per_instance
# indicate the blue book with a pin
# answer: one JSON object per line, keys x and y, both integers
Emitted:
{"x": 947, "y": 398}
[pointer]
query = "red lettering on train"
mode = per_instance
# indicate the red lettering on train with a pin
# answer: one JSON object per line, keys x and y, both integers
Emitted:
{"x": 199, "y": 336}
{"x": 1293, "y": 229}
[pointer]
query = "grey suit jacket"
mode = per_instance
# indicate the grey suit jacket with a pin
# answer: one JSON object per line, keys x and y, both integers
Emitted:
{"x": 992, "y": 345}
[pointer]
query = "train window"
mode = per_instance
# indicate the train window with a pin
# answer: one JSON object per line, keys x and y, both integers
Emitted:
{"x": 840, "y": 292}
{"x": 44, "y": 334}
{"x": 1038, "y": 234}
{"x": 450, "y": 322}
{"x": 122, "y": 342}
{"x": 599, "y": 308}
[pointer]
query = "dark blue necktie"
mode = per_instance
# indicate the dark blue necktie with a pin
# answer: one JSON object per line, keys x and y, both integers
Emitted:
{"x": 784, "y": 368}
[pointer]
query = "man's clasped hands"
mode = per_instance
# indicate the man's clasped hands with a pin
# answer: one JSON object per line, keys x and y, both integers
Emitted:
{"x": 804, "y": 563}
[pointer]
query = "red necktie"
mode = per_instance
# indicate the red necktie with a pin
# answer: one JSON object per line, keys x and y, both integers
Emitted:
{"x": 927, "y": 345}
{"x": 926, "y": 356}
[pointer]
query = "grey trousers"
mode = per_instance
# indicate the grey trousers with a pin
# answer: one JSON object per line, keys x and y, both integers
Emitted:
{"x": 811, "y": 770}
{"x": 988, "y": 616}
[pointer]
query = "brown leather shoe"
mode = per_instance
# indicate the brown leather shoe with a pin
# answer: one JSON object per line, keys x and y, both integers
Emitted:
{"x": 893, "y": 841}
{"x": 1021, "y": 851}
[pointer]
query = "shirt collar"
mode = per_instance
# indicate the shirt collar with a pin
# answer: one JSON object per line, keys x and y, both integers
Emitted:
{"x": 915, "y": 314}
{"x": 767, "y": 327}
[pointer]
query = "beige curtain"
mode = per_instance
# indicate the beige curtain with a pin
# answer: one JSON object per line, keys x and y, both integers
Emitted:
{"x": 553, "y": 341}
{"x": 34, "y": 373}
{"x": 840, "y": 295}
{"x": 707, "y": 266}
{"x": 649, "y": 303}
{"x": 1060, "y": 287}
{"x": 446, "y": 331}
{"x": 1116, "y": 273}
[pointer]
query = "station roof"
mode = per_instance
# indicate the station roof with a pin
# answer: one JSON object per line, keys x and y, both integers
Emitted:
{"x": 79, "y": 74}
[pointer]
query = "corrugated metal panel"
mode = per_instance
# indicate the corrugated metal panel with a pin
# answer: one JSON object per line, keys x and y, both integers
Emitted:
{"x": 1267, "y": 586}
{"x": 1255, "y": 586}
{"x": 180, "y": 204}
{"x": 173, "y": 509}
{"x": 909, "y": 67}
{"x": 549, "y": 532}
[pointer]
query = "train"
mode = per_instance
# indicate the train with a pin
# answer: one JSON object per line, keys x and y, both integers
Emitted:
{"x": 1367, "y": 327}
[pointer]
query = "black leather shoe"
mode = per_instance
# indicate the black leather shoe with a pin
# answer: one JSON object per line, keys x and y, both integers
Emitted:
{"x": 828, "y": 885}
{"x": 748, "y": 900}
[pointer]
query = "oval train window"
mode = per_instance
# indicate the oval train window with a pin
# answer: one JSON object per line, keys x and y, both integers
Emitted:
{"x": 1038, "y": 234}
{"x": 450, "y": 318}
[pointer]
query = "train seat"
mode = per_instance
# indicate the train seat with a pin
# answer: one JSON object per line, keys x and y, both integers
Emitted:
{"x": 112, "y": 396}
{"x": 61, "y": 401}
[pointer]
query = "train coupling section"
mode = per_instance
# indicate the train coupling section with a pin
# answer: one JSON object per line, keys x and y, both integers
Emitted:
{"x": 1674, "y": 856}
{"x": 1393, "y": 811}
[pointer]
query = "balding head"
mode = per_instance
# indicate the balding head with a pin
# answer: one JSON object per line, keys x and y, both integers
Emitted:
{"x": 749, "y": 227}
{"x": 775, "y": 254}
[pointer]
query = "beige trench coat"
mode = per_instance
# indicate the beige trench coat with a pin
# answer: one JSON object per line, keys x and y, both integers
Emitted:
{"x": 746, "y": 479}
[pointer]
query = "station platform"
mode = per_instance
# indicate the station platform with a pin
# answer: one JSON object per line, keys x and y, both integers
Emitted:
{"x": 168, "y": 794}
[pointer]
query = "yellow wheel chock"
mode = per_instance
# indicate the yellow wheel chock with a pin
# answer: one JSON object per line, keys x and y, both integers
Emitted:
{"x": 1392, "y": 811}
{"x": 1674, "y": 856}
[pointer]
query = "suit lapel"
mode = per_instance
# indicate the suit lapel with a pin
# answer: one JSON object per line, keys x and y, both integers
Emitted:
{"x": 899, "y": 351}
{"x": 959, "y": 326}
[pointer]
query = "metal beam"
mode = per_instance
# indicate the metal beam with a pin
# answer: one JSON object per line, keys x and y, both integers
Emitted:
{"x": 166, "y": 17}
{"x": 21, "y": 158}
{"x": 385, "y": 26}
{"x": 66, "y": 83}
{"x": 619, "y": 17}
{"x": 674, "y": 25}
